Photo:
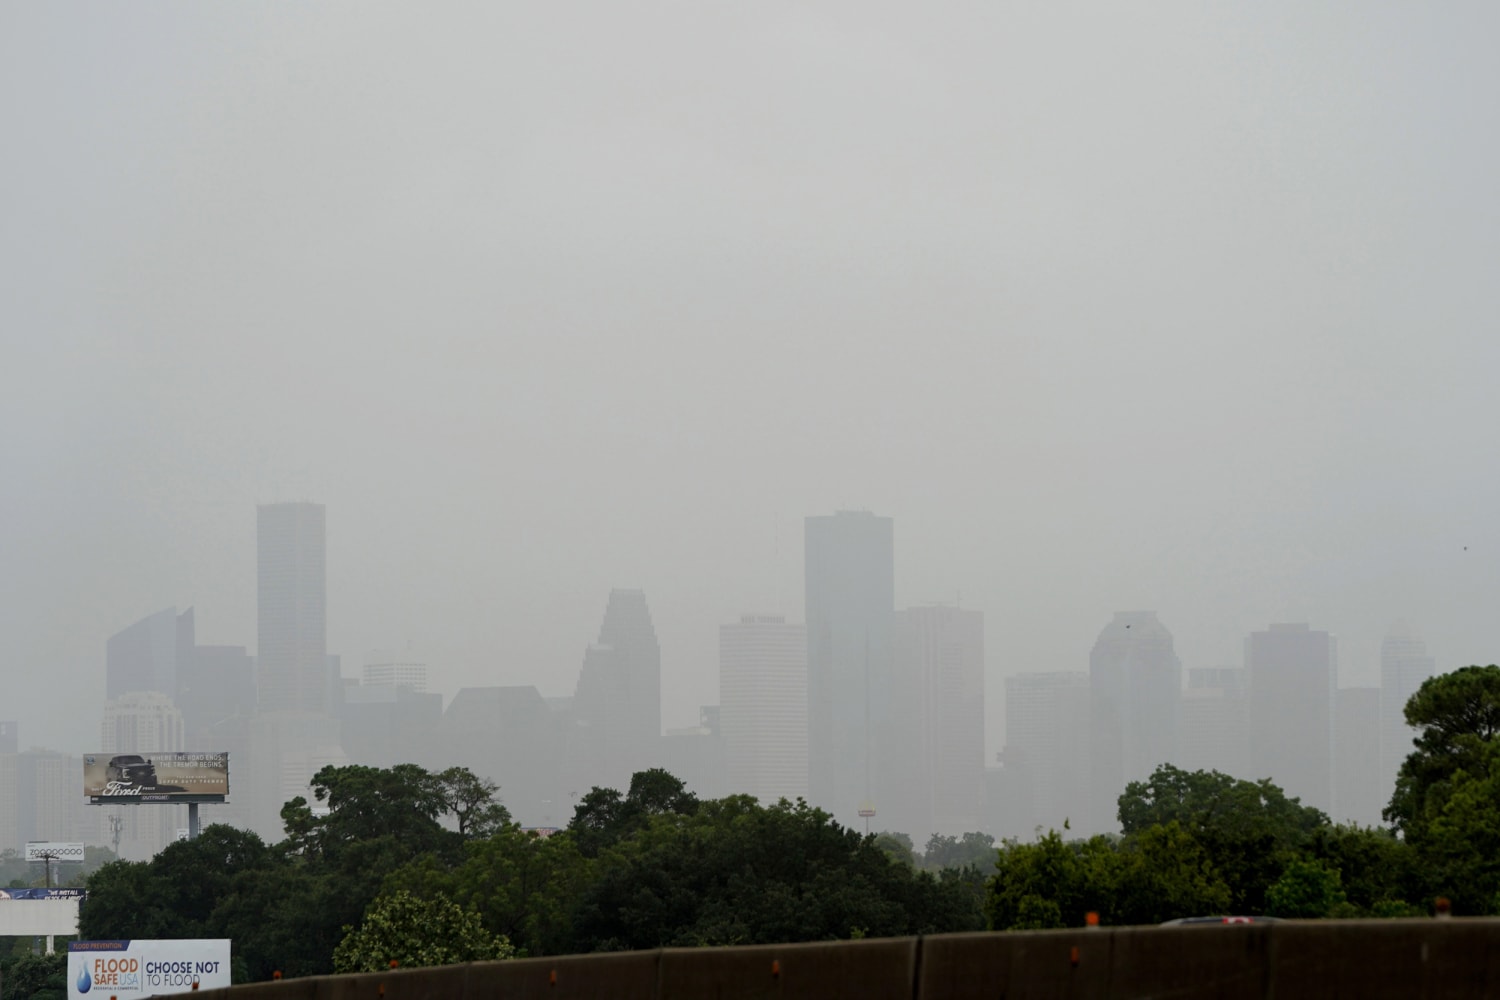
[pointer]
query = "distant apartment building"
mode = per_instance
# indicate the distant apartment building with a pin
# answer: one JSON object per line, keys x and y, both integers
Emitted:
{"x": 1215, "y": 724}
{"x": 10, "y": 740}
{"x": 695, "y": 754}
{"x": 1404, "y": 665}
{"x": 395, "y": 670}
{"x": 939, "y": 665}
{"x": 143, "y": 722}
{"x": 512, "y": 736}
{"x": 1135, "y": 685}
{"x": 49, "y": 797}
{"x": 1359, "y": 795}
{"x": 1046, "y": 758}
{"x": 763, "y": 707}
{"x": 1293, "y": 676}
{"x": 856, "y": 738}
{"x": 10, "y": 801}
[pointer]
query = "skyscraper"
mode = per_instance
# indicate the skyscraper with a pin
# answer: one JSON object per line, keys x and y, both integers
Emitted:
{"x": 616, "y": 708}
{"x": 1135, "y": 695}
{"x": 940, "y": 766}
{"x": 144, "y": 722}
{"x": 10, "y": 739}
{"x": 849, "y": 560}
{"x": 148, "y": 655}
{"x": 1292, "y": 672}
{"x": 1358, "y": 796}
{"x": 1047, "y": 746}
{"x": 1215, "y": 728}
{"x": 291, "y": 626}
{"x": 763, "y": 706}
{"x": 1404, "y": 665}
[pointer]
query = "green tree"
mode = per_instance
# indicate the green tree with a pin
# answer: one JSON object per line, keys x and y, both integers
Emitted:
{"x": 1378, "y": 870}
{"x": 897, "y": 846}
{"x": 1249, "y": 829}
{"x": 1457, "y": 716}
{"x": 977, "y": 849}
{"x": 1051, "y": 882}
{"x": 1164, "y": 873}
{"x": 604, "y": 817}
{"x": 416, "y": 932}
{"x": 471, "y": 801}
{"x": 34, "y": 977}
{"x": 1307, "y": 888}
{"x": 523, "y": 886}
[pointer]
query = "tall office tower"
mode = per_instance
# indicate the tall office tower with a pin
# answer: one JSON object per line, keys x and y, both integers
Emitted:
{"x": 1215, "y": 726}
{"x": 148, "y": 655}
{"x": 940, "y": 666}
{"x": 617, "y": 704}
{"x": 216, "y": 686}
{"x": 1135, "y": 687}
{"x": 10, "y": 740}
{"x": 144, "y": 722}
{"x": 1292, "y": 671}
{"x": 49, "y": 802}
{"x": 1404, "y": 665}
{"x": 10, "y": 801}
{"x": 291, "y": 608}
{"x": 850, "y": 595}
{"x": 1358, "y": 795}
{"x": 763, "y": 707}
{"x": 397, "y": 670}
{"x": 1047, "y": 751}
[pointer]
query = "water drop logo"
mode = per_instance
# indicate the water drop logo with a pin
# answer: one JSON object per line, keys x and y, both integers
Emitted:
{"x": 85, "y": 981}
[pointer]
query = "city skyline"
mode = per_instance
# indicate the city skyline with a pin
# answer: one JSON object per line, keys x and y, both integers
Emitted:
{"x": 546, "y": 304}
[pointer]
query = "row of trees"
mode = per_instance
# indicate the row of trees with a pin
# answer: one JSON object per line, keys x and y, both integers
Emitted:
{"x": 1203, "y": 842}
{"x": 424, "y": 868}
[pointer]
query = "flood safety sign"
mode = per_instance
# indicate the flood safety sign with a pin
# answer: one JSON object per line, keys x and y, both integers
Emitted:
{"x": 133, "y": 970}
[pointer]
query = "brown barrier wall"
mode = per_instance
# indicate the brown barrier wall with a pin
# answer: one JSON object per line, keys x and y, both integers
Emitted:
{"x": 1284, "y": 961}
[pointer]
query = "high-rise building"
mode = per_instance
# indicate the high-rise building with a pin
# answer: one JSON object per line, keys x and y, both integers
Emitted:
{"x": 148, "y": 655}
{"x": 1358, "y": 796}
{"x": 10, "y": 740}
{"x": 1293, "y": 674}
{"x": 296, "y": 730}
{"x": 1135, "y": 685}
{"x": 144, "y": 722}
{"x": 850, "y": 596}
{"x": 397, "y": 670}
{"x": 1215, "y": 726}
{"x": 49, "y": 798}
{"x": 216, "y": 685}
{"x": 291, "y": 608}
{"x": 617, "y": 705}
{"x": 1404, "y": 665}
{"x": 940, "y": 665}
{"x": 763, "y": 706}
{"x": 1047, "y": 752}
{"x": 10, "y": 800}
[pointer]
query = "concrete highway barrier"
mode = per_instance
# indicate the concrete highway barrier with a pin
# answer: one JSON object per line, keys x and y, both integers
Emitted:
{"x": 1429, "y": 959}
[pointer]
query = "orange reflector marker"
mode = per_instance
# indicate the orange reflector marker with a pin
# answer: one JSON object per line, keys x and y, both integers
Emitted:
{"x": 395, "y": 963}
{"x": 1073, "y": 955}
{"x": 1091, "y": 919}
{"x": 552, "y": 978}
{"x": 276, "y": 975}
{"x": 775, "y": 967}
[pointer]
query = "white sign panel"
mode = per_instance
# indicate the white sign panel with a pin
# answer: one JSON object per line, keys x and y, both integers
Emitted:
{"x": 133, "y": 970}
{"x": 42, "y": 850}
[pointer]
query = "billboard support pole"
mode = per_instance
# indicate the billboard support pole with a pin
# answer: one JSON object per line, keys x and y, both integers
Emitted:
{"x": 192, "y": 821}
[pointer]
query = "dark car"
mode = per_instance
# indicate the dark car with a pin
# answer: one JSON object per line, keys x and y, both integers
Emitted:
{"x": 131, "y": 769}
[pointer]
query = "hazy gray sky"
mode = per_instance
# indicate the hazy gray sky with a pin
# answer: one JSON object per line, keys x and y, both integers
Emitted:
{"x": 1176, "y": 306}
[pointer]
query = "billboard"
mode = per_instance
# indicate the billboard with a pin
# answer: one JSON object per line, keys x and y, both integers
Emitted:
{"x": 46, "y": 850}
{"x": 56, "y": 895}
{"x": 126, "y": 969}
{"x": 170, "y": 777}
